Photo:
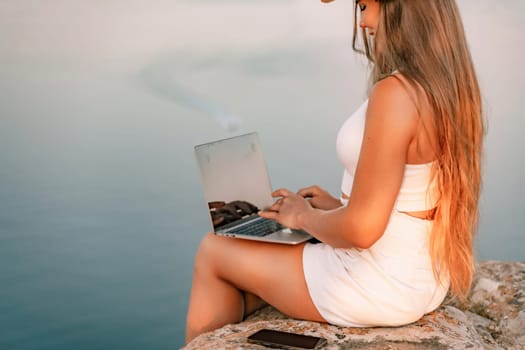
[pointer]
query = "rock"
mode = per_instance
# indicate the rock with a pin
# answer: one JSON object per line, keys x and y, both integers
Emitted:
{"x": 486, "y": 285}
{"x": 493, "y": 317}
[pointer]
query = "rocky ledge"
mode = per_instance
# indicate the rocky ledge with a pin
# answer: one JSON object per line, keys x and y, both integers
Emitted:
{"x": 492, "y": 318}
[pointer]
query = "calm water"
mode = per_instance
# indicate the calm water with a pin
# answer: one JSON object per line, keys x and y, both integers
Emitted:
{"x": 101, "y": 103}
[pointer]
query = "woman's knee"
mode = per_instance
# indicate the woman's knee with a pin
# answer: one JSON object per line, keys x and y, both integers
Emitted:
{"x": 206, "y": 253}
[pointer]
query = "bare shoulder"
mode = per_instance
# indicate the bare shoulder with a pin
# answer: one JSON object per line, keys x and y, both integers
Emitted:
{"x": 395, "y": 94}
{"x": 392, "y": 104}
{"x": 394, "y": 85}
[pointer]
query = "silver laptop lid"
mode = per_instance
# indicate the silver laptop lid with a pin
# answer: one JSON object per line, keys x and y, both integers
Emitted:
{"x": 234, "y": 178}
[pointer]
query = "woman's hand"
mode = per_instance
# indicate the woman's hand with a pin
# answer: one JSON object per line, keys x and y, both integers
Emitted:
{"x": 287, "y": 209}
{"x": 319, "y": 198}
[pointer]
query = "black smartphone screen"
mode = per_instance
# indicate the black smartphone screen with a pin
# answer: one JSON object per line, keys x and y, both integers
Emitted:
{"x": 272, "y": 337}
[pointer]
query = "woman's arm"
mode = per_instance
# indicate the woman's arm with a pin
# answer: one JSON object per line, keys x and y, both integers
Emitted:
{"x": 391, "y": 123}
{"x": 319, "y": 198}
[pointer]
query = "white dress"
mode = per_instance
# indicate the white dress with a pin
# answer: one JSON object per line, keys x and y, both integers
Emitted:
{"x": 390, "y": 283}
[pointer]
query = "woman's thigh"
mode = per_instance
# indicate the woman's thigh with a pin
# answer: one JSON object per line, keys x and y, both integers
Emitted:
{"x": 274, "y": 272}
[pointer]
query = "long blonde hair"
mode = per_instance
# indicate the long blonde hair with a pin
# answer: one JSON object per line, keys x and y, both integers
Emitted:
{"x": 425, "y": 42}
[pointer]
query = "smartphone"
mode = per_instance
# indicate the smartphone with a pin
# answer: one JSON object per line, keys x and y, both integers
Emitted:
{"x": 286, "y": 340}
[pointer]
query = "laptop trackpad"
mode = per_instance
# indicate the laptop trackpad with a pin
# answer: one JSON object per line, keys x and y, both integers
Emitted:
{"x": 289, "y": 236}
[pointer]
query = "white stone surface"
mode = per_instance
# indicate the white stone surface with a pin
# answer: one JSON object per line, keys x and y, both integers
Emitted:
{"x": 493, "y": 318}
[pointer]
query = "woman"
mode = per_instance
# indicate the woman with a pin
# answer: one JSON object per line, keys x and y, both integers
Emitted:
{"x": 401, "y": 233}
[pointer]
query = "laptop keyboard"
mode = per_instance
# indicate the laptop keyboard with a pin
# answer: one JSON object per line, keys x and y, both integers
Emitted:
{"x": 261, "y": 227}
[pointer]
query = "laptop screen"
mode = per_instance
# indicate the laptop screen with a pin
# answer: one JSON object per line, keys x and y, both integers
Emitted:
{"x": 234, "y": 178}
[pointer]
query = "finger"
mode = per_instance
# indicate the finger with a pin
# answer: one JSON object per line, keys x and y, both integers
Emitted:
{"x": 274, "y": 207}
{"x": 305, "y": 192}
{"x": 281, "y": 192}
{"x": 308, "y": 191}
{"x": 269, "y": 214}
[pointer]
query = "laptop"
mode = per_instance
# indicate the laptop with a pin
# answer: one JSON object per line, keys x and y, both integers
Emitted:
{"x": 236, "y": 187}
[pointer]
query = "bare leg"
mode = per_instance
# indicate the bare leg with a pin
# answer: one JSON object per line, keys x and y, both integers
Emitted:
{"x": 225, "y": 268}
{"x": 252, "y": 303}
{"x": 214, "y": 301}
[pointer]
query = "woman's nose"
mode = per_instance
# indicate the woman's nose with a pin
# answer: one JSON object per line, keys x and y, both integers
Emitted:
{"x": 362, "y": 23}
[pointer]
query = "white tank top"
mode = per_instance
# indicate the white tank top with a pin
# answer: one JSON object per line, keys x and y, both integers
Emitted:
{"x": 418, "y": 190}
